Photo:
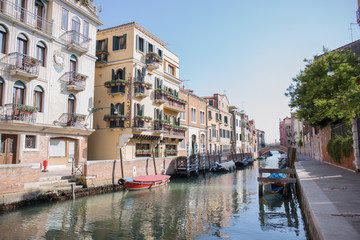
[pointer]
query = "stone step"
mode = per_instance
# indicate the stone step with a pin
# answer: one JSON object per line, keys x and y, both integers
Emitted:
{"x": 55, "y": 183}
{"x": 68, "y": 188}
{"x": 56, "y": 178}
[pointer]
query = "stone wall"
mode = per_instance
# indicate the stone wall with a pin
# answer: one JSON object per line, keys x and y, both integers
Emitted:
{"x": 101, "y": 172}
{"x": 18, "y": 177}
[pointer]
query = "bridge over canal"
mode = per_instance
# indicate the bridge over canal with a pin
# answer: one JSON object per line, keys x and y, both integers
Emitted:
{"x": 279, "y": 148}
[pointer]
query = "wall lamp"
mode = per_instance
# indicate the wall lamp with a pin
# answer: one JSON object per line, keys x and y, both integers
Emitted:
{"x": 331, "y": 71}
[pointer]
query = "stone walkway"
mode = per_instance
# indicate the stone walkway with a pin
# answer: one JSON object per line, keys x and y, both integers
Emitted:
{"x": 333, "y": 195}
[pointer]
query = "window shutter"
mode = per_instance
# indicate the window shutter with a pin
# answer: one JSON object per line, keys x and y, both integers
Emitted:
{"x": 156, "y": 83}
{"x": 97, "y": 45}
{"x": 146, "y": 47}
{"x": 106, "y": 44}
{"x": 155, "y": 114}
{"x": 113, "y": 74}
{"x": 122, "y": 109}
{"x": 112, "y": 109}
{"x": 135, "y": 110}
{"x": 124, "y": 47}
{"x": 143, "y": 73}
{"x": 161, "y": 83}
{"x": 137, "y": 42}
{"x": 114, "y": 43}
{"x": 124, "y": 73}
{"x": 142, "y": 110}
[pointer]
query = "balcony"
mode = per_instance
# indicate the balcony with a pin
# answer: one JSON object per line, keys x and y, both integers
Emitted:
{"x": 116, "y": 87}
{"x": 21, "y": 66}
{"x": 71, "y": 120}
{"x": 170, "y": 101}
{"x": 19, "y": 112}
{"x": 102, "y": 58}
{"x": 174, "y": 131}
{"x": 24, "y": 17}
{"x": 75, "y": 82}
{"x": 116, "y": 121}
{"x": 153, "y": 61}
{"x": 141, "y": 89}
{"x": 76, "y": 41}
{"x": 141, "y": 123}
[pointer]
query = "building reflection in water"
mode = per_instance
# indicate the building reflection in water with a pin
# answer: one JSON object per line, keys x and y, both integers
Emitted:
{"x": 212, "y": 205}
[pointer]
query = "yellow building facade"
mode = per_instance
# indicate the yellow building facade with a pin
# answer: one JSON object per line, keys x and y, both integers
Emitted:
{"x": 136, "y": 103}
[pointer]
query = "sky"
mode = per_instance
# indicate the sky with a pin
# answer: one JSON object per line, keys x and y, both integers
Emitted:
{"x": 247, "y": 49}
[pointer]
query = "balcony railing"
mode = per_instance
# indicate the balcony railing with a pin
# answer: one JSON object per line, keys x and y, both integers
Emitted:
{"x": 140, "y": 90}
{"x": 20, "y": 14}
{"x": 76, "y": 41}
{"x": 19, "y": 112}
{"x": 75, "y": 81}
{"x": 21, "y": 65}
{"x": 102, "y": 58}
{"x": 71, "y": 120}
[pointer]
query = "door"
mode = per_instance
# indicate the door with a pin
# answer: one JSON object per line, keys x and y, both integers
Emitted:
{"x": 71, "y": 151}
{"x": 20, "y": 7}
{"x": 39, "y": 12}
{"x": 8, "y": 149}
{"x": 76, "y": 30}
{"x": 71, "y": 110}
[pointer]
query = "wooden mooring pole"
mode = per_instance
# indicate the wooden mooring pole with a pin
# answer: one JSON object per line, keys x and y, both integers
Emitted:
{"x": 153, "y": 155}
{"x": 122, "y": 165}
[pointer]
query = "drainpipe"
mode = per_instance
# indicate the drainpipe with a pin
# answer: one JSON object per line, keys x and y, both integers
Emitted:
{"x": 356, "y": 144}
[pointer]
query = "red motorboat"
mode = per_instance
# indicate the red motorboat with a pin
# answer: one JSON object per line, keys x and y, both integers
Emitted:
{"x": 144, "y": 182}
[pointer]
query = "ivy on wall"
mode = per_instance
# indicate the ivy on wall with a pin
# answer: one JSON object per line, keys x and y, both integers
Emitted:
{"x": 339, "y": 147}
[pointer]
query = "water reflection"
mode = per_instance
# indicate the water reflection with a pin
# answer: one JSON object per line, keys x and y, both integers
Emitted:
{"x": 208, "y": 207}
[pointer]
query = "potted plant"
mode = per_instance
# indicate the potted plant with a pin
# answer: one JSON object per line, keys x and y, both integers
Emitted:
{"x": 148, "y": 85}
{"x": 27, "y": 109}
{"x": 80, "y": 117}
{"x": 155, "y": 56}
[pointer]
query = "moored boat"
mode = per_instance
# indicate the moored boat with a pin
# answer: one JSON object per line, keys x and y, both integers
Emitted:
{"x": 144, "y": 182}
{"x": 275, "y": 187}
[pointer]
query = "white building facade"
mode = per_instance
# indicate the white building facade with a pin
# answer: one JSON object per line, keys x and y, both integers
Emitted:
{"x": 47, "y": 69}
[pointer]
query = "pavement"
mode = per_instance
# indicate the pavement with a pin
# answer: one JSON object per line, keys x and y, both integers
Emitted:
{"x": 332, "y": 198}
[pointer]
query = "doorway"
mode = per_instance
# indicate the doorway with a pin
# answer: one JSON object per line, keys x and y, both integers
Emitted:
{"x": 8, "y": 147}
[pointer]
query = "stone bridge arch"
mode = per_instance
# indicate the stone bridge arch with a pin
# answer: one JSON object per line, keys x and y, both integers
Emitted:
{"x": 279, "y": 148}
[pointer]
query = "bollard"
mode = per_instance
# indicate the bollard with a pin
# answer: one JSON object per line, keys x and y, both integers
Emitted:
{"x": 45, "y": 164}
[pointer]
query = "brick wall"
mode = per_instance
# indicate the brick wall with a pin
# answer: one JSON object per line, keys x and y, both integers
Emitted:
{"x": 13, "y": 178}
{"x": 101, "y": 172}
{"x": 344, "y": 162}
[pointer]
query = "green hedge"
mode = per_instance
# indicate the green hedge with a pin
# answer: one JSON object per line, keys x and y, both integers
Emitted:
{"x": 339, "y": 147}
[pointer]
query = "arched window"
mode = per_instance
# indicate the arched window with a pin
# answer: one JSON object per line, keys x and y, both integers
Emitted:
{"x": 18, "y": 93}
{"x": 120, "y": 74}
{"x": 73, "y": 63}
{"x": 71, "y": 104}
{"x": 38, "y": 98}
{"x": 22, "y": 43}
{"x": 1, "y": 90}
{"x": 3, "y": 37}
{"x": 40, "y": 13}
{"x": 40, "y": 52}
{"x": 120, "y": 108}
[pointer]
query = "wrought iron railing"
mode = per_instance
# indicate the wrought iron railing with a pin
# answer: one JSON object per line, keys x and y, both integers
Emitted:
{"x": 71, "y": 120}
{"x": 74, "y": 78}
{"x": 22, "y": 62}
{"x": 20, "y": 14}
{"x": 74, "y": 37}
{"x": 20, "y": 112}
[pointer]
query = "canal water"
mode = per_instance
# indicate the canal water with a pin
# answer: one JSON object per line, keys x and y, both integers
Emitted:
{"x": 211, "y": 206}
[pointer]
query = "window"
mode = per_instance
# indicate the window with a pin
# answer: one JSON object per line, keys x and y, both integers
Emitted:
{"x": 202, "y": 117}
{"x": 202, "y": 140}
{"x": 237, "y": 122}
{"x": 86, "y": 30}
{"x": 210, "y": 114}
{"x": 210, "y": 133}
{"x": 65, "y": 19}
{"x": 140, "y": 44}
{"x": 160, "y": 53}
{"x": 40, "y": 52}
{"x": 30, "y": 142}
{"x": 102, "y": 45}
{"x": 182, "y": 116}
{"x": 18, "y": 93}
{"x": 71, "y": 104}
{"x": 138, "y": 109}
{"x": 150, "y": 47}
{"x": 171, "y": 70}
{"x": 1, "y": 90}
{"x": 22, "y": 41}
{"x": 214, "y": 131}
{"x": 182, "y": 144}
{"x": 38, "y": 98}
{"x": 39, "y": 13}
{"x": 211, "y": 102}
{"x": 119, "y": 42}
{"x": 76, "y": 30}
{"x": 193, "y": 115}
{"x": 3, "y": 35}
{"x": 73, "y": 63}
{"x": 57, "y": 148}
{"x": 226, "y": 119}
{"x": 221, "y": 133}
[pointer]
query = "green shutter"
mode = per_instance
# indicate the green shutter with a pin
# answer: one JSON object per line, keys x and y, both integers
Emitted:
{"x": 112, "y": 108}
{"x": 135, "y": 110}
{"x": 137, "y": 42}
{"x": 97, "y": 45}
{"x": 161, "y": 114}
{"x": 142, "y": 110}
{"x": 122, "y": 108}
{"x": 113, "y": 75}
{"x": 124, "y": 74}
{"x": 161, "y": 84}
{"x": 124, "y": 47}
{"x": 114, "y": 43}
{"x": 106, "y": 44}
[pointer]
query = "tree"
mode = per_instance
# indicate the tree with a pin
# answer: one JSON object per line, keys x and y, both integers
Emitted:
{"x": 320, "y": 99}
